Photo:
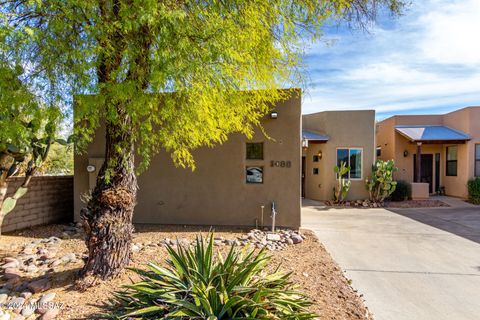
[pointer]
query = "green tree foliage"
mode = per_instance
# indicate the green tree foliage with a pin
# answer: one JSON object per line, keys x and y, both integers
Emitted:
{"x": 59, "y": 161}
{"x": 173, "y": 75}
{"x": 28, "y": 129}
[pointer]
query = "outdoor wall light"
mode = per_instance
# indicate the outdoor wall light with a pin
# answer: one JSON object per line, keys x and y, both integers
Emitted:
{"x": 274, "y": 115}
{"x": 91, "y": 168}
{"x": 405, "y": 153}
{"x": 304, "y": 143}
{"x": 320, "y": 154}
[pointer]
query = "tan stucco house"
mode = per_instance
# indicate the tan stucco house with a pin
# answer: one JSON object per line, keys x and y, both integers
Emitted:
{"x": 231, "y": 183}
{"x": 442, "y": 151}
{"x": 236, "y": 182}
{"x": 330, "y": 137}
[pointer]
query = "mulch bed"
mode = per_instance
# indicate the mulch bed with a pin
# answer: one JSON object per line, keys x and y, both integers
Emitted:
{"x": 311, "y": 266}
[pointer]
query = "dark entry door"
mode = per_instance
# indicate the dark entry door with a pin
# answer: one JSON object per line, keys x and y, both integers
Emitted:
{"x": 303, "y": 177}
{"x": 426, "y": 167}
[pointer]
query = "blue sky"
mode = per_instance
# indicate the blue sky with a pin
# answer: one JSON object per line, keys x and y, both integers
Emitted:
{"x": 426, "y": 61}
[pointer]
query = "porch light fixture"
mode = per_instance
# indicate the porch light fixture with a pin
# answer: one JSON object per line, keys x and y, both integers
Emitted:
{"x": 304, "y": 143}
{"x": 405, "y": 153}
{"x": 274, "y": 115}
{"x": 91, "y": 168}
{"x": 320, "y": 154}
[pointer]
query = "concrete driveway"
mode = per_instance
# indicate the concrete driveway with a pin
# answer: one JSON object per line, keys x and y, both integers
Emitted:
{"x": 409, "y": 264}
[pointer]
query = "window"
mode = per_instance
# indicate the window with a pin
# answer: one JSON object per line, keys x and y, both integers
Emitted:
{"x": 255, "y": 151}
{"x": 477, "y": 160}
{"x": 254, "y": 174}
{"x": 451, "y": 161}
{"x": 315, "y": 170}
{"x": 315, "y": 158}
{"x": 352, "y": 158}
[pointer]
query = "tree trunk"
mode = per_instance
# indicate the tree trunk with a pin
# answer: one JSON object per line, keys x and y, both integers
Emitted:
{"x": 107, "y": 220}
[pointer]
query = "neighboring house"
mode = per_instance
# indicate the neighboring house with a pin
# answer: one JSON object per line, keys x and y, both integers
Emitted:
{"x": 330, "y": 137}
{"x": 231, "y": 182}
{"x": 448, "y": 145}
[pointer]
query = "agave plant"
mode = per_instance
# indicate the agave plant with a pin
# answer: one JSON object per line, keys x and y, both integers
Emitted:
{"x": 197, "y": 284}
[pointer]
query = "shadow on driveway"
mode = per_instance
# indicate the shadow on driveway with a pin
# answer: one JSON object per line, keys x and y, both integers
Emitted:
{"x": 463, "y": 222}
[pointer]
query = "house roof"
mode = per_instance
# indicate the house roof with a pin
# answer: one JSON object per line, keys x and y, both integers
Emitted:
{"x": 313, "y": 136}
{"x": 431, "y": 133}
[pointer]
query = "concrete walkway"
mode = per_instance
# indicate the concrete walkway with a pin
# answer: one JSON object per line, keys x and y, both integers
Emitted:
{"x": 409, "y": 264}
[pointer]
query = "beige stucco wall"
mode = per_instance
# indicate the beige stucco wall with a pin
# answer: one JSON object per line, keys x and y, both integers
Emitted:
{"x": 216, "y": 193}
{"x": 393, "y": 146}
{"x": 346, "y": 129}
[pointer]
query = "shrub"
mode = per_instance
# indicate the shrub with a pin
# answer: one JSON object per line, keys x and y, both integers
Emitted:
{"x": 402, "y": 191}
{"x": 198, "y": 285}
{"x": 474, "y": 190}
{"x": 381, "y": 184}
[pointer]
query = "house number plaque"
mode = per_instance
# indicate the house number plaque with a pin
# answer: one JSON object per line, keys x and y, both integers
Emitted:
{"x": 280, "y": 163}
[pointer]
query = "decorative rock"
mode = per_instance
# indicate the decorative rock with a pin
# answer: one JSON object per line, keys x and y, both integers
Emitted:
{"x": 31, "y": 269}
{"x": 29, "y": 308}
{"x": 50, "y": 314}
{"x": 296, "y": 238}
{"x": 16, "y": 304}
{"x": 26, "y": 294}
{"x": 71, "y": 257}
{"x": 3, "y": 298}
{"x": 47, "y": 298}
{"x": 289, "y": 241}
{"x": 10, "y": 265}
{"x": 273, "y": 237}
{"x": 39, "y": 285}
{"x": 11, "y": 273}
{"x": 11, "y": 259}
{"x": 135, "y": 248}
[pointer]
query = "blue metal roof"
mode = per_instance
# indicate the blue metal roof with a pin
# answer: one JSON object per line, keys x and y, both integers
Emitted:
{"x": 313, "y": 136}
{"x": 431, "y": 133}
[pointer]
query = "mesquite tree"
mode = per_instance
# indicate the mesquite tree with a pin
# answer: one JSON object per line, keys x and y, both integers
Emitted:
{"x": 171, "y": 74}
{"x": 28, "y": 129}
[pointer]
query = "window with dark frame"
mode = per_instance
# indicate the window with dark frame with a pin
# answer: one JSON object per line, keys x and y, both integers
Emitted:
{"x": 254, "y": 151}
{"x": 352, "y": 158}
{"x": 451, "y": 167}
{"x": 477, "y": 160}
{"x": 315, "y": 170}
{"x": 315, "y": 158}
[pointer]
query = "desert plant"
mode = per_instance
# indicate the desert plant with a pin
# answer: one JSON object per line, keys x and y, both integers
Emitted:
{"x": 28, "y": 129}
{"x": 474, "y": 190}
{"x": 343, "y": 185}
{"x": 402, "y": 191}
{"x": 200, "y": 285}
{"x": 381, "y": 184}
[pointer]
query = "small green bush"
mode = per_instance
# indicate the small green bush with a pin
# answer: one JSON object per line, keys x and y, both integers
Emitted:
{"x": 474, "y": 190}
{"x": 401, "y": 192}
{"x": 200, "y": 285}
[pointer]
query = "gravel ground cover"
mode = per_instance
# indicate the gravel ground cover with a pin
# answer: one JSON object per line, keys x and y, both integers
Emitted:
{"x": 39, "y": 268}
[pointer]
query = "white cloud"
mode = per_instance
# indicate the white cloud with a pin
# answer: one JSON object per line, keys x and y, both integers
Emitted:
{"x": 450, "y": 32}
{"x": 429, "y": 58}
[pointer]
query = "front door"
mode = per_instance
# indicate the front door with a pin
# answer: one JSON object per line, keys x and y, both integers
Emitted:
{"x": 426, "y": 168}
